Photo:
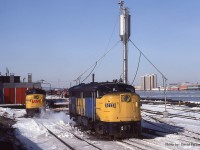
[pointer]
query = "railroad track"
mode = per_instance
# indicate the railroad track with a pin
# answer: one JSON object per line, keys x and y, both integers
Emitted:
{"x": 180, "y": 142}
{"x": 74, "y": 139}
{"x": 88, "y": 141}
{"x": 179, "y": 108}
{"x": 148, "y": 139}
{"x": 74, "y": 143}
{"x": 130, "y": 145}
{"x": 141, "y": 144}
{"x": 147, "y": 145}
{"x": 170, "y": 114}
{"x": 62, "y": 141}
{"x": 182, "y": 138}
{"x": 78, "y": 141}
{"x": 81, "y": 138}
{"x": 172, "y": 129}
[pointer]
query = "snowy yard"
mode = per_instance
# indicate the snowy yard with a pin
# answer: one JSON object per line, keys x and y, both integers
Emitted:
{"x": 52, "y": 130}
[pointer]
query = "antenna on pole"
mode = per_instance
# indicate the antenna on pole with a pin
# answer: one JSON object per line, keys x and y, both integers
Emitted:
{"x": 121, "y": 3}
{"x": 124, "y": 35}
{"x": 7, "y": 72}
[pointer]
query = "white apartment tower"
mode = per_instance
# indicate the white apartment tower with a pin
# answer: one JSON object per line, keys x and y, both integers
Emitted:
{"x": 143, "y": 83}
{"x": 148, "y": 82}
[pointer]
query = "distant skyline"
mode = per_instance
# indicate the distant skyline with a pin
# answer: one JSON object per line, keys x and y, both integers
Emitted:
{"x": 57, "y": 41}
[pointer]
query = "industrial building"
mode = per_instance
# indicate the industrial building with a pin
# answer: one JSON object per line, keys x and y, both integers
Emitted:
{"x": 183, "y": 86}
{"x": 12, "y": 90}
{"x": 148, "y": 82}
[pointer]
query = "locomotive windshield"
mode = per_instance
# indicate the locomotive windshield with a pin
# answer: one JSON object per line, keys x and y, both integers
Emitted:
{"x": 35, "y": 91}
{"x": 110, "y": 88}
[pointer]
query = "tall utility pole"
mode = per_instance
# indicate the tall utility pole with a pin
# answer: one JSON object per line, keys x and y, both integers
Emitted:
{"x": 124, "y": 35}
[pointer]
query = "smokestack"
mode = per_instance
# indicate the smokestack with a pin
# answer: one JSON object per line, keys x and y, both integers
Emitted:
{"x": 29, "y": 77}
{"x": 93, "y": 75}
{"x": 12, "y": 80}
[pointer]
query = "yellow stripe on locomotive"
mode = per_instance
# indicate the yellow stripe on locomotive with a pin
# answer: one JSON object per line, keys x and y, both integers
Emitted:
{"x": 80, "y": 105}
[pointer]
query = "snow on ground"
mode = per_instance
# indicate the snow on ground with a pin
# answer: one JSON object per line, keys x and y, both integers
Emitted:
{"x": 182, "y": 120}
{"x": 177, "y": 132}
{"x": 12, "y": 113}
{"x": 189, "y": 124}
{"x": 35, "y": 136}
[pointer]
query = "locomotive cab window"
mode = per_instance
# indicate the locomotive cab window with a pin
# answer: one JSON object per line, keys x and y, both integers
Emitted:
{"x": 112, "y": 88}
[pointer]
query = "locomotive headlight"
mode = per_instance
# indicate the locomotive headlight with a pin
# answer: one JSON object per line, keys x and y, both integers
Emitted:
{"x": 36, "y": 97}
{"x": 127, "y": 98}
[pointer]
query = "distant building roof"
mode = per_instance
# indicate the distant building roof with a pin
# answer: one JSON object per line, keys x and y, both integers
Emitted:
{"x": 7, "y": 79}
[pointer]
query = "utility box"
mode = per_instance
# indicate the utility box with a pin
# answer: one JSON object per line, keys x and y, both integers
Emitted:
{"x": 165, "y": 114}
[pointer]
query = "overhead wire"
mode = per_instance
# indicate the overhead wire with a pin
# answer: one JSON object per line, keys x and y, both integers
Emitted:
{"x": 90, "y": 73}
{"x": 141, "y": 54}
{"x": 112, "y": 33}
{"x": 163, "y": 76}
{"x": 95, "y": 64}
{"x": 137, "y": 69}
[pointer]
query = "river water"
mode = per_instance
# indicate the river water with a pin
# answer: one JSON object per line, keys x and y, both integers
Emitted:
{"x": 188, "y": 95}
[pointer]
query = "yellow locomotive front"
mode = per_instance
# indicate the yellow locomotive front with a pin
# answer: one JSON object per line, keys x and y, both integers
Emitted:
{"x": 35, "y": 101}
{"x": 118, "y": 111}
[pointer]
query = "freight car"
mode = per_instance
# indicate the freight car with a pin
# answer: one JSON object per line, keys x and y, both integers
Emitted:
{"x": 35, "y": 101}
{"x": 108, "y": 108}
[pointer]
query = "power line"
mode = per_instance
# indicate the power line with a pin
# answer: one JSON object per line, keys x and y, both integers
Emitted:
{"x": 117, "y": 18}
{"x": 137, "y": 68}
{"x": 90, "y": 72}
{"x": 95, "y": 64}
{"x": 149, "y": 61}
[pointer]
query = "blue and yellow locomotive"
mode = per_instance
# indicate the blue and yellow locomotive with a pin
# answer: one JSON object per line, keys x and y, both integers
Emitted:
{"x": 108, "y": 108}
